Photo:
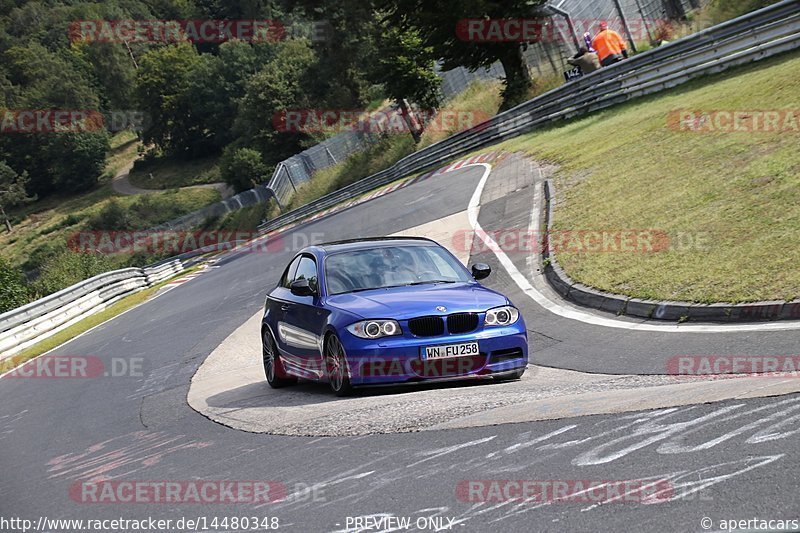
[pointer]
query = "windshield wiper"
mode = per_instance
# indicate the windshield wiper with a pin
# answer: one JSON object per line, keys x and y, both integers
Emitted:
{"x": 395, "y": 286}
{"x": 429, "y": 281}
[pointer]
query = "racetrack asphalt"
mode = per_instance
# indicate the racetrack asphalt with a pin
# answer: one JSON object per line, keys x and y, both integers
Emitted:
{"x": 733, "y": 459}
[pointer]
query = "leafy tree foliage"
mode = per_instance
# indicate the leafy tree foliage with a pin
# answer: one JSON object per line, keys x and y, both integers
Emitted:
{"x": 12, "y": 191}
{"x": 161, "y": 90}
{"x": 437, "y": 20}
{"x": 13, "y": 290}
{"x": 405, "y": 69}
{"x": 279, "y": 85}
{"x": 243, "y": 167}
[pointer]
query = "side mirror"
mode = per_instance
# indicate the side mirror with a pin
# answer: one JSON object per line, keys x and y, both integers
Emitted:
{"x": 481, "y": 270}
{"x": 301, "y": 287}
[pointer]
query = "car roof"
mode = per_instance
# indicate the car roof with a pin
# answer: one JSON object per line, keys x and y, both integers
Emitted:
{"x": 373, "y": 242}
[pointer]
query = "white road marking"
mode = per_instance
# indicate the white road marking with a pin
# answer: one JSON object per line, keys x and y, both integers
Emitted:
{"x": 435, "y": 454}
{"x": 573, "y": 314}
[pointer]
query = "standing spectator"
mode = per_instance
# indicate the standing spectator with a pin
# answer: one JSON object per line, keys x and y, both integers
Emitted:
{"x": 587, "y": 38}
{"x": 610, "y": 46}
{"x": 585, "y": 59}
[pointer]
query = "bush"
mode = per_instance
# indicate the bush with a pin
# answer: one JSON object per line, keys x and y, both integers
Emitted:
{"x": 242, "y": 167}
{"x": 42, "y": 254}
{"x": 13, "y": 290}
{"x": 113, "y": 217}
{"x": 68, "y": 268}
{"x": 722, "y": 10}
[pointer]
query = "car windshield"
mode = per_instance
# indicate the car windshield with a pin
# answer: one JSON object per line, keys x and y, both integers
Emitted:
{"x": 391, "y": 266}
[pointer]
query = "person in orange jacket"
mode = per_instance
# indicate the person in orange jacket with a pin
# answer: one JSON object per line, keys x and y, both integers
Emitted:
{"x": 610, "y": 46}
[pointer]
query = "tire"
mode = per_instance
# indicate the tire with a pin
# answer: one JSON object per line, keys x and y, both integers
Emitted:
{"x": 336, "y": 367}
{"x": 510, "y": 377}
{"x": 273, "y": 366}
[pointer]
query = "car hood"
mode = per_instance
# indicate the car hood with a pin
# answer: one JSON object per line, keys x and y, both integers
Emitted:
{"x": 420, "y": 300}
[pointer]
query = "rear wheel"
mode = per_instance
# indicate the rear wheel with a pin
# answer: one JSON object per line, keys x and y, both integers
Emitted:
{"x": 273, "y": 366}
{"x": 336, "y": 367}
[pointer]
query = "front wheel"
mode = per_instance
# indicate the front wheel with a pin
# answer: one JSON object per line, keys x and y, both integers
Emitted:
{"x": 273, "y": 366}
{"x": 336, "y": 367}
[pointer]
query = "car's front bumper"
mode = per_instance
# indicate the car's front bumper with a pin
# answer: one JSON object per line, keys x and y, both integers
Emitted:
{"x": 393, "y": 360}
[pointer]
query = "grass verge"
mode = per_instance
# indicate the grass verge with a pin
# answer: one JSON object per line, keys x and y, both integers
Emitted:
{"x": 730, "y": 202}
{"x": 86, "y": 324}
{"x": 172, "y": 173}
{"x": 54, "y": 219}
{"x": 124, "y": 150}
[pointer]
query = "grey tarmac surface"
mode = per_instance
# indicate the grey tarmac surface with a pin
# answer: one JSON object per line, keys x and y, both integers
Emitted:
{"x": 729, "y": 460}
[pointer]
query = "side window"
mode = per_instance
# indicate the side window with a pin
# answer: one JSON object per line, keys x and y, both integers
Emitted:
{"x": 307, "y": 269}
{"x": 288, "y": 275}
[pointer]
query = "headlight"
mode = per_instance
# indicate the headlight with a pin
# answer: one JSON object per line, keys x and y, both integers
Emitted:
{"x": 375, "y": 329}
{"x": 501, "y": 316}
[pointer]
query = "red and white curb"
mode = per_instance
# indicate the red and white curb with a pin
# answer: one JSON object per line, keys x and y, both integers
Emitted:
{"x": 183, "y": 279}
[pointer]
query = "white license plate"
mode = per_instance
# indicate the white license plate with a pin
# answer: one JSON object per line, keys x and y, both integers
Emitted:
{"x": 451, "y": 350}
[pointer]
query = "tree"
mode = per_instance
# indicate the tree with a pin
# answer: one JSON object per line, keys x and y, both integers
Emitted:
{"x": 281, "y": 84}
{"x": 162, "y": 83}
{"x": 346, "y": 50}
{"x": 242, "y": 167}
{"x": 12, "y": 191}
{"x": 437, "y": 22}
{"x": 79, "y": 158}
{"x": 40, "y": 79}
{"x": 217, "y": 83}
{"x": 405, "y": 68}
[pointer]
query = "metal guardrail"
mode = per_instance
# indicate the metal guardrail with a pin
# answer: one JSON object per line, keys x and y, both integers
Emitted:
{"x": 752, "y": 37}
{"x": 31, "y": 323}
{"x": 298, "y": 169}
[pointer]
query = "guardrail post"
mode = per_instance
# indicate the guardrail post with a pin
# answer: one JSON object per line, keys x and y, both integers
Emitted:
{"x": 289, "y": 175}
{"x": 333, "y": 159}
{"x": 575, "y": 38}
{"x": 625, "y": 25}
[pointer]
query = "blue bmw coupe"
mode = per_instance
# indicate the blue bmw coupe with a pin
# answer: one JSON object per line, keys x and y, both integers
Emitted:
{"x": 385, "y": 311}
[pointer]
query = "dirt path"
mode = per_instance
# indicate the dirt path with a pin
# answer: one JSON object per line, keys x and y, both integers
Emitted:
{"x": 122, "y": 185}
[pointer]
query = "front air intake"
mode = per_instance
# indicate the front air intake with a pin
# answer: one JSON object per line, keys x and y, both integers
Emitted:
{"x": 462, "y": 322}
{"x": 426, "y": 326}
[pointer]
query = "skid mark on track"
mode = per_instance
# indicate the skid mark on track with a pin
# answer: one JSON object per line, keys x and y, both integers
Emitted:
{"x": 591, "y": 445}
{"x": 8, "y": 422}
{"x": 120, "y": 456}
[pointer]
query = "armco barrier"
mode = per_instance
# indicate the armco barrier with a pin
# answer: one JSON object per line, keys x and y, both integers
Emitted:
{"x": 31, "y": 323}
{"x": 752, "y": 37}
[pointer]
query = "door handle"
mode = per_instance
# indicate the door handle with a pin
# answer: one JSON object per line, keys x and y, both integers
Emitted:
{"x": 285, "y": 307}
